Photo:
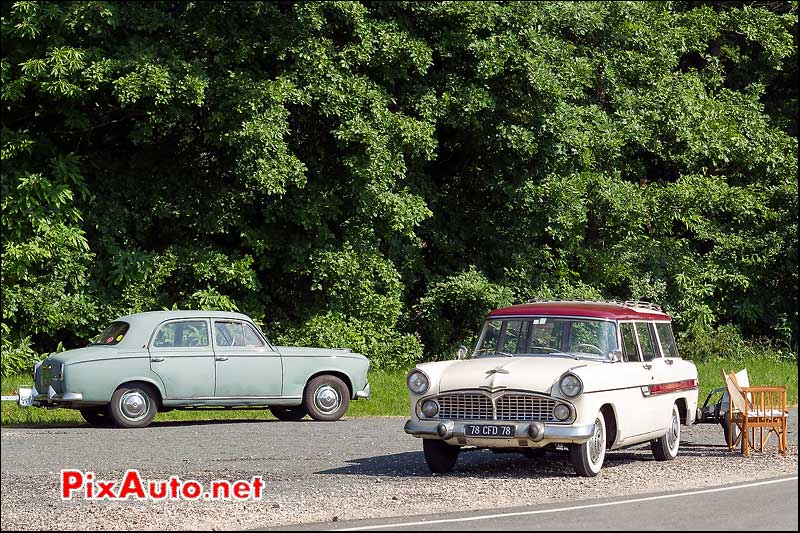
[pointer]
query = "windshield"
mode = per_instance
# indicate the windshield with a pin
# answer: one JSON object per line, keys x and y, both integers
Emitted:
{"x": 530, "y": 336}
{"x": 112, "y": 334}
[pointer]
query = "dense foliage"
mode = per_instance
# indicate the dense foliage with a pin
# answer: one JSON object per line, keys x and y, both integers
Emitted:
{"x": 379, "y": 175}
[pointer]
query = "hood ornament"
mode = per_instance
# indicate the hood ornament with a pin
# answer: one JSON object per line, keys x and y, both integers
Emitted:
{"x": 498, "y": 370}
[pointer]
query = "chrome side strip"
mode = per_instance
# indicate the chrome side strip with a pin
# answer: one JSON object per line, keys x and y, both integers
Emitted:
{"x": 194, "y": 398}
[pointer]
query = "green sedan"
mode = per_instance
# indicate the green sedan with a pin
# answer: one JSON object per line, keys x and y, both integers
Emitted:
{"x": 164, "y": 360}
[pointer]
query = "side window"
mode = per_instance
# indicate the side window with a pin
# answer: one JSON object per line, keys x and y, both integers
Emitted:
{"x": 227, "y": 334}
{"x": 646, "y": 340}
{"x": 629, "y": 352}
{"x": 251, "y": 338}
{"x": 668, "y": 346}
{"x": 182, "y": 334}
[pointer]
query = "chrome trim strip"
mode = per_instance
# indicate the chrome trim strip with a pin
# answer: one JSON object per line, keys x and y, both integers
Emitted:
{"x": 206, "y": 398}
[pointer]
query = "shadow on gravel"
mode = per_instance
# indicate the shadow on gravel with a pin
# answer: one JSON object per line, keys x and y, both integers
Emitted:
{"x": 482, "y": 464}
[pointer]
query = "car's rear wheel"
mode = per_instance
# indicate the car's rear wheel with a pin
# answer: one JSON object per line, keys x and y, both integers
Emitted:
{"x": 666, "y": 447}
{"x": 587, "y": 458}
{"x": 95, "y": 416}
{"x": 326, "y": 398}
{"x": 133, "y": 405}
{"x": 440, "y": 456}
{"x": 289, "y": 414}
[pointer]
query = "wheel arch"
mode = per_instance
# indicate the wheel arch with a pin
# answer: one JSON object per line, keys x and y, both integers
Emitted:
{"x": 610, "y": 415}
{"x": 338, "y": 373}
{"x": 149, "y": 382}
{"x": 683, "y": 410}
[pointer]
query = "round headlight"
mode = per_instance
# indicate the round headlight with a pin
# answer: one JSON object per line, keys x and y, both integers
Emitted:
{"x": 418, "y": 382}
{"x": 570, "y": 385}
{"x": 561, "y": 412}
{"x": 430, "y": 408}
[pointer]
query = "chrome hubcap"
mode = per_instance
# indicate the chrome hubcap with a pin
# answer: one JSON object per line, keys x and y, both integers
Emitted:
{"x": 674, "y": 433}
{"x": 327, "y": 399}
{"x": 134, "y": 405}
{"x": 597, "y": 443}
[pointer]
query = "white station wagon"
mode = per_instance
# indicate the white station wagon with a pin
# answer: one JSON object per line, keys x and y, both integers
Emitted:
{"x": 593, "y": 376}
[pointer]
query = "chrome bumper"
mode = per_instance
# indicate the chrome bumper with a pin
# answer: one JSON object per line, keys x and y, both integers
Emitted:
{"x": 363, "y": 393}
{"x": 449, "y": 430}
{"x": 30, "y": 397}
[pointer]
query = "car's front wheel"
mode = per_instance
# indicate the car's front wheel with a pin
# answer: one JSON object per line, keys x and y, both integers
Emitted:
{"x": 133, "y": 405}
{"x": 587, "y": 458}
{"x": 326, "y": 398}
{"x": 440, "y": 456}
{"x": 289, "y": 414}
{"x": 666, "y": 447}
{"x": 95, "y": 416}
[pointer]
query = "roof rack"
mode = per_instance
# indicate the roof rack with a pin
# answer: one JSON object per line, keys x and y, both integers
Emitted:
{"x": 635, "y": 304}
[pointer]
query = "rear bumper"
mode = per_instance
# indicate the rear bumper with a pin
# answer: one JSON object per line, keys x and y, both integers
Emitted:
{"x": 525, "y": 435}
{"x": 30, "y": 397}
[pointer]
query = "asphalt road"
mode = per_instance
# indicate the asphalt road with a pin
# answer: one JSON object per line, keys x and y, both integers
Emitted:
{"x": 320, "y": 473}
{"x": 718, "y": 508}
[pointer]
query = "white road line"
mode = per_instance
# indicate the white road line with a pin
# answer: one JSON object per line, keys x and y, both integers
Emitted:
{"x": 562, "y": 509}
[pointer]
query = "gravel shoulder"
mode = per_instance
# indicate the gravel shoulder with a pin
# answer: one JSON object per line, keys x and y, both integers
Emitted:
{"x": 318, "y": 472}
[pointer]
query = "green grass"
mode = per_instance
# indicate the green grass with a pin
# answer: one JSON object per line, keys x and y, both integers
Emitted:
{"x": 389, "y": 396}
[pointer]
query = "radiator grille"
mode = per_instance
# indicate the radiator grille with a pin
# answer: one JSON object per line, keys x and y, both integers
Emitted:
{"x": 465, "y": 407}
{"x": 522, "y": 407}
{"x": 506, "y": 407}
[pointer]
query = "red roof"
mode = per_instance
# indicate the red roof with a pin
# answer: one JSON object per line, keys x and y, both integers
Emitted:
{"x": 609, "y": 310}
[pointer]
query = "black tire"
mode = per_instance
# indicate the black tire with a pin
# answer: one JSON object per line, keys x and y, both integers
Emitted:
{"x": 587, "y": 458}
{"x": 326, "y": 398}
{"x": 133, "y": 405}
{"x": 440, "y": 456}
{"x": 95, "y": 416}
{"x": 289, "y": 414}
{"x": 666, "y": 448}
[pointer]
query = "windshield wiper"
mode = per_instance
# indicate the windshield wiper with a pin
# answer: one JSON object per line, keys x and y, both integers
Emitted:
{"x": 495, "y": 351}
{"x": 568, "y": 354}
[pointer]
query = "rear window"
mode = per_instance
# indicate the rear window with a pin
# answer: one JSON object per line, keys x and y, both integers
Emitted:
{"x": 113, "y": 334}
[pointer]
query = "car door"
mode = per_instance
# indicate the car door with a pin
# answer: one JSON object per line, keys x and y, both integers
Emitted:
{"x": 636, "y": 412}
{"x": 660, "y": 405}
{"x": 181, "y": 355}
{"x": 246, "y": 365}
{"x": 673, "y": 375}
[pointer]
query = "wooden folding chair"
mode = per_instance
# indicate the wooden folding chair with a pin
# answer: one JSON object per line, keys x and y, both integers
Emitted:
{"x": 756, "y": 409}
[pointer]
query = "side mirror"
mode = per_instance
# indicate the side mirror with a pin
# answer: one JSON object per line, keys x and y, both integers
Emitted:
{"x": 461, "y": 353}
{"x": 615, "y": 356}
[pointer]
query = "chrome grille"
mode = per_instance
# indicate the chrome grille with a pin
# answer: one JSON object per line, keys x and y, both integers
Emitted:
{"x": 465, "y": 407}
{"x": 505, "y": 407}
{"x": 523, "y": 407}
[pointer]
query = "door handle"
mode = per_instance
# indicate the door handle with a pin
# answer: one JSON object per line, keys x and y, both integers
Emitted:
{"x": 221, "y": 358}
{"x": 156, "y": 359}
{"x": 647, "y": 367}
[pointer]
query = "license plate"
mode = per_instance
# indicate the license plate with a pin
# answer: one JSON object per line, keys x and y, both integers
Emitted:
{"x": 486, "y": 430}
